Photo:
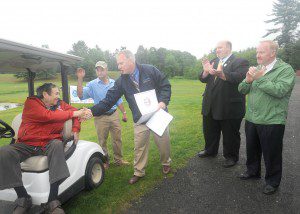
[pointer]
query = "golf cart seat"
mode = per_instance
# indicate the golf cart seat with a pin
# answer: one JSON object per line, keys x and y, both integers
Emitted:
{"x": 39, "y": 163}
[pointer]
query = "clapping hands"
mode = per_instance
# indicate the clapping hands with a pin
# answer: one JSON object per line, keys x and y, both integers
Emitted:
{"x": 255, "y": 73}
{"x": 207, "y": 67}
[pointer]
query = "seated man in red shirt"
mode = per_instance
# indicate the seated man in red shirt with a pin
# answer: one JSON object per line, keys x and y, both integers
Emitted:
{"x": 40, "y": 133}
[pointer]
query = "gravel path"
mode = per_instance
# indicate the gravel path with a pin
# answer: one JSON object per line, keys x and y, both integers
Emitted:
{"x": 204, "y": 186}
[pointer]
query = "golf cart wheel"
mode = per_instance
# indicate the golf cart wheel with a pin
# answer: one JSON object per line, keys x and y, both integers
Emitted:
{"x": 94, "y": 174}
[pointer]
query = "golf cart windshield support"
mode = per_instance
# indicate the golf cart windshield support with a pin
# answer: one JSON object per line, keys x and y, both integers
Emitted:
{"x": 64, "y": 82}
{"x": 31, "y": 76}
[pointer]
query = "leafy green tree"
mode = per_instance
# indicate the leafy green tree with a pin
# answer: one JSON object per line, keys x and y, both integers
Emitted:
{"x": 171, "y": 65}
{"x": 248, "y": 54}
{"x": 171, "y": 62}
{"x": 79, "y": 49}
{"x": 185, "y": 61}
{"x": 291, "y": 54}
{"x": 286, "y": 15}
{"x": 286, "y": 19}
{"x": 141, "y": 55}
{"x": 193, "y": 72}
{"x": 91, "y": 56}
{"x": 161, "y": 57}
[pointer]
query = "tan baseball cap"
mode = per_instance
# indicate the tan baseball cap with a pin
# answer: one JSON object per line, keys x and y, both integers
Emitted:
{"x": 101, "y": 64}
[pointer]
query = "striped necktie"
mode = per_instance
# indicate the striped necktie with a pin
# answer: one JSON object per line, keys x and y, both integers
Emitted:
{"x": 135, "y": 82}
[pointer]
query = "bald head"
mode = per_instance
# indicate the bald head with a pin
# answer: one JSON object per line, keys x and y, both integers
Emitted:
{"x": 223, "y": 49}
{"x": 126, "y": 62}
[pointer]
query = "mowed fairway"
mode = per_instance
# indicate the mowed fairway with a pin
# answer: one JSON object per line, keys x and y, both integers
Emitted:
{"x": 115, "y": 194}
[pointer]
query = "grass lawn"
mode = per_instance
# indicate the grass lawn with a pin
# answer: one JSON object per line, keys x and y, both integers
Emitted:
{"x": 115, "y": 194}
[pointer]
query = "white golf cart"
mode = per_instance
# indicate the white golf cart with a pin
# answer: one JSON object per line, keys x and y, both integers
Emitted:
{"x": 85, "y": 159}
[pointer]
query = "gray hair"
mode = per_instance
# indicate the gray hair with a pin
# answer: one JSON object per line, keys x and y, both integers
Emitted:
{"x": 272, "y": 44}
{"x": 46, "y": 87}
{"x": 128, "y": 54}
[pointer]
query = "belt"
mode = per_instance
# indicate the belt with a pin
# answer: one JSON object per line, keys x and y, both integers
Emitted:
{"x": 108, "y": 113}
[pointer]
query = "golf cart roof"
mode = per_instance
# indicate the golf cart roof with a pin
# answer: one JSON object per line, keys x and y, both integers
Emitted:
{"x": 17, "y": 57}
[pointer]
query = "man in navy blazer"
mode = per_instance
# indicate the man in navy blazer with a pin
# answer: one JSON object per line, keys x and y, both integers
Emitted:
{"x": 223, "y": 107}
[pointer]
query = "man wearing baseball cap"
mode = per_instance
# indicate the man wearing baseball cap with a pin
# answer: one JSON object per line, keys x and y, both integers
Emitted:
{"x": 108, "y": 122}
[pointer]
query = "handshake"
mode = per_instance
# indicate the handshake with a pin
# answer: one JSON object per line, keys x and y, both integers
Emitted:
{"x": 83, "y": 114}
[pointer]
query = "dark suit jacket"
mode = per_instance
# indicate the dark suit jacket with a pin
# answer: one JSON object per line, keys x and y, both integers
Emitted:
{"x": 222, "y": 97}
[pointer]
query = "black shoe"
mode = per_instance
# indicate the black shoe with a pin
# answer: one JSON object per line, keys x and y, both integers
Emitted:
{"x": 22, "y": 205}
{"x": 204, "y": 154}
{"x": 134, "y": 179}
{"x": 229, "y": 163}
{"x": 269, "y": 190}
{"x": 246, "y": 176}
{"x": 53, "y": 207}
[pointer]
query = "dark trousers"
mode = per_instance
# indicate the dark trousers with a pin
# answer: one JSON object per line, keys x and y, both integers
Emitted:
{"x": 231, "y": 136}
{"x": 12, "y": 155}
{"x": 265, "y": 140}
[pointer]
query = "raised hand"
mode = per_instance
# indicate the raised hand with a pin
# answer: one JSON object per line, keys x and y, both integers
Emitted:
{"x": 80, "y": 72}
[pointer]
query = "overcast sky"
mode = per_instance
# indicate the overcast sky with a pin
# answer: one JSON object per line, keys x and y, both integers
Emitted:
{"x": 187, "y": 25}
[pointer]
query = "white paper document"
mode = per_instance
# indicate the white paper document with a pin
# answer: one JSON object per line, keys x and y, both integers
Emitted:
{"x": 147, "y": 103}
{"x": 157, "y": 120}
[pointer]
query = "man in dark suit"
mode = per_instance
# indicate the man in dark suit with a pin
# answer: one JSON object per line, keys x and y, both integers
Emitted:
{"x": 223, "y": 107}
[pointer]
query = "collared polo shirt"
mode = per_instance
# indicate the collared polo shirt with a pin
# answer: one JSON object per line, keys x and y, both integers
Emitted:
{"x": 96, "y": 89}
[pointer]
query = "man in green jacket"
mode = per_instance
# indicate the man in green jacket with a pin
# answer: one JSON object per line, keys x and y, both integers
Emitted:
{"x": 269, "y": 87}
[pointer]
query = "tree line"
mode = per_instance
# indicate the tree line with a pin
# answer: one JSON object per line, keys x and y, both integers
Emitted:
{"x": 174, "y": 63}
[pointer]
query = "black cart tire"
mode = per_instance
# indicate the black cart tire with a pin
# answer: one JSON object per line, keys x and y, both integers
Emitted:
{"x": 94, "y": 173}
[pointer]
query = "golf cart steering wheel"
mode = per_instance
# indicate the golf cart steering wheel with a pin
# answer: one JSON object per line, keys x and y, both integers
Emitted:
{"x": 6, "y": 131}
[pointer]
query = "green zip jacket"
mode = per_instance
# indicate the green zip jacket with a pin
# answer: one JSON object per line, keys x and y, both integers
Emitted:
{"x": 268, "y": 97}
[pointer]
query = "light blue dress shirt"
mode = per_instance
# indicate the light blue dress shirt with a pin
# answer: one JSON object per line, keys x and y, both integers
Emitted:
{"x": 97, "y": 90}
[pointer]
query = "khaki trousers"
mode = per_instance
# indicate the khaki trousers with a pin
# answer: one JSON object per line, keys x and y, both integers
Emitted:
{"x": 105, "y": 124}
{"x": 141, "y": 148}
